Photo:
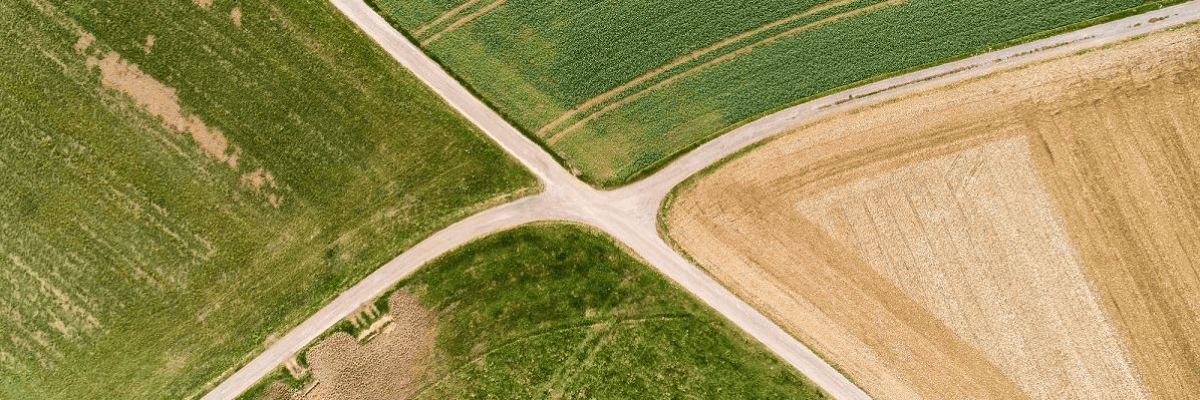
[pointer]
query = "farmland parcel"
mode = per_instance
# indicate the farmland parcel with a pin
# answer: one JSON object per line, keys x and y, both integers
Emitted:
{"x": 1028, "y": 234}
{"x": 617, "y": 87}
{"x": 184, "y": 180}
{"x": 546, "y": 311}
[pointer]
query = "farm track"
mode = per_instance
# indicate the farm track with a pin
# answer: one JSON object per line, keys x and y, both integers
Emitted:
{"x": 629, "y": 213}
{"x": 462, "y": 21}
{"x": 723, "y": 57}
{"x": 420, "y": 31}
{"x": 681, "y": 60}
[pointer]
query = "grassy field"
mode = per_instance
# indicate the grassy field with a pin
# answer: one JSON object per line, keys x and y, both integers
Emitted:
{"x": 617, "y": 87}
{"x": 554, "y": 311}
{"x": 183, "y": 180}
{"x": 1024, "y": 234}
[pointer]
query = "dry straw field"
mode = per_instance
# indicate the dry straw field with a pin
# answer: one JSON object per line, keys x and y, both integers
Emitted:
{"x": 1032, "y": 233}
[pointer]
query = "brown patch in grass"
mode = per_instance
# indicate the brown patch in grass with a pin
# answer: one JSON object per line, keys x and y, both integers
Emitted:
{"x": 278, "y": 391}
{"x": 205, "y": 4}
{"x": 257, "y": 178}
{"x": 149, "y": 44}
{"x": 85, "y": 40}
{"x": 393, "y": 365}
{"x": 160, "y": 100}
{"x": 1028, "y": 234}
{"x": 236, "y": 15}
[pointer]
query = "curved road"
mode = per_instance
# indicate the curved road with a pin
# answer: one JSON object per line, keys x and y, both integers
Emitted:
{"x": 629, "y": 213}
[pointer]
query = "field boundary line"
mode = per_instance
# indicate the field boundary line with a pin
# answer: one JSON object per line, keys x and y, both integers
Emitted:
{"x": 462, "y": 21}
{"x": 685, "y": 58}
{"x": 442, "y": 18}
{"x": 724, "y": 57}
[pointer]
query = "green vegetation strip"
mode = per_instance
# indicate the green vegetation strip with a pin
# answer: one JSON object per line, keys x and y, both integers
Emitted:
{"x": 550, "y": 309}
{"x": 134, "y": 264}
{"x": 537, "y": 61}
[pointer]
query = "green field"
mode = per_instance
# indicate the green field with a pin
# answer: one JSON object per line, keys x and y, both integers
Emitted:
{"x": 146, "y": 250}
{"x": 555, "y": 309}
{"x": 616, "y": 87}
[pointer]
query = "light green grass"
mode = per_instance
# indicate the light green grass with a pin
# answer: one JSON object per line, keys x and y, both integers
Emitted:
{"x": 134, "y": 265}
{"x": 555, "y": 309}
{"x": 536, "y": 60}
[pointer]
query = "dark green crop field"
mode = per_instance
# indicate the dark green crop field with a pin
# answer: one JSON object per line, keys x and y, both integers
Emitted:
{"x": 560, "y": 311}
{"x": 182, "y": 180}
{"x": 616, "y": 87}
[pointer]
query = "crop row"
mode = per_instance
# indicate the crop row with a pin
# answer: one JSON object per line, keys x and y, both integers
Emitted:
{"x": 538, "y": 62}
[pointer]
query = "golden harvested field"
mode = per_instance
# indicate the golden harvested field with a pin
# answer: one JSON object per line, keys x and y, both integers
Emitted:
{"x": 395, "y": 364}
{"x": 1032, "y": 233}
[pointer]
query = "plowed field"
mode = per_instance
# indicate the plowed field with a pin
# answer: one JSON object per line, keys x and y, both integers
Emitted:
{"x": 1031, "y": 233}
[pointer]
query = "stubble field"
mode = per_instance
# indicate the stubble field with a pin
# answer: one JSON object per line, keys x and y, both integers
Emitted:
{"x": 1025, "y": 234}
{"x": 183, "y": 180}
{"x": 616, "y": 88}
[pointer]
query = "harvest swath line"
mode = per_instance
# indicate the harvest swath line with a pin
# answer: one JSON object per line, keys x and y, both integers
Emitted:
{"x": 465, "y": 19}
{"x": 724, "y": 57}
{"x": 442, "y": 18}
{"x": 683, "y": 59}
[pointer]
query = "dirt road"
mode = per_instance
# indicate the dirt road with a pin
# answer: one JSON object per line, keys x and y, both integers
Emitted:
{"x": 629, "y": 213}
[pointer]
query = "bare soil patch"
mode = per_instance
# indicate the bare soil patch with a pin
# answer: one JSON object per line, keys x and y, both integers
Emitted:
{"x": 1029, "y": 234}
{"x": 160, "y": 100}
{"x": 279, "y": 391}
{"x": 257, "y": 178}
{"x": 236, "y": 15}
{"x": 393, "y": 365}
{"x": 85, "y": 40}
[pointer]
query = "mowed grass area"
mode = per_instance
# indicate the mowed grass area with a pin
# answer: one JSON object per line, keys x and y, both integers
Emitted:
{"x": 617, "y": 87}
{"x": 183, "y": 180}
{"x": 560, "y": 311}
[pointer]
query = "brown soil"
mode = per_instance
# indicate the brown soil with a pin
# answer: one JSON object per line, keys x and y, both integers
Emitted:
{"x": 160, "y": 100}
{"x": 1005, "y": 237}
{"x": 278, "y": 391}
{"x": 149, "y": 44}
{"x": 257, "y": 178}
{"x": 393, "y": 365}
{"x": 85, "y": 40}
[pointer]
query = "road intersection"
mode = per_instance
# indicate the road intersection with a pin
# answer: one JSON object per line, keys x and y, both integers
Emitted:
{"x": 629, "y": 213}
